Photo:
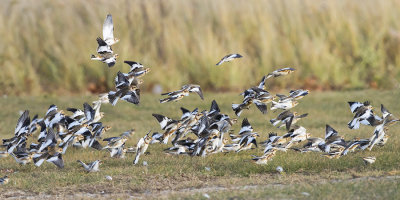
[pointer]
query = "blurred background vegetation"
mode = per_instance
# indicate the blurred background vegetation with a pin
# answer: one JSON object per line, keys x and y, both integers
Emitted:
{"x": 46, "y": 45}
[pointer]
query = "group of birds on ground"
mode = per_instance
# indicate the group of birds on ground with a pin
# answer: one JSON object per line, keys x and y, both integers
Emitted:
{"x": 210, "y": 128}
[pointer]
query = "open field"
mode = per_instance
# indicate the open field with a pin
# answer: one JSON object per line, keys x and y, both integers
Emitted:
{"x": 230, "y": 175}
{"x": 46, "y": 45}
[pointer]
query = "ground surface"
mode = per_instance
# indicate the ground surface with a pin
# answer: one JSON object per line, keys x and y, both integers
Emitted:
{"x": 230, "y": 175}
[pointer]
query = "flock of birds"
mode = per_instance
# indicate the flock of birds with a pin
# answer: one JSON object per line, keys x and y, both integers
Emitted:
{"x": 196, "y": 133}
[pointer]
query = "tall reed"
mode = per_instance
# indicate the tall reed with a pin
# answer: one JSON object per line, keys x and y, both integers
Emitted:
{"x": 45, "y": 45}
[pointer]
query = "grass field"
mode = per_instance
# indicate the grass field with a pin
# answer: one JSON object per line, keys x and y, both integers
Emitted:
{"x": 231, "y": 175}
{"x": 46, "y": 45}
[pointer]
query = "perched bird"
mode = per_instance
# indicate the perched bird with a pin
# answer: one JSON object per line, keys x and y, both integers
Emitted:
{"x": 184, "y": 91}
{"x": 142, "y": 146}
{"x": 91, "y": 167}
{"x": 4, "y": 180}
{"x": 369, "y": 160}
{"x": 280, "y": 72}
{"x": 228, "y": 58}
{"x": 108, "y": 31}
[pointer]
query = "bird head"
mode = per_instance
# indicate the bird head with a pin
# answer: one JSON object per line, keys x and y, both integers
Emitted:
{"x": 107, "y": 128}
{"x": 116, "y": 55}
{"x": 116, "y": 40}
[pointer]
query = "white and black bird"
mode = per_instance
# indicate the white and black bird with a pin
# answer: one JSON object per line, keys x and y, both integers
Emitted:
{"x": 287, "y": 118}
{"x": 228, "y": 58}
{"x": 91, "y": 167}
{"x": 280, "y": 72}
{"x": 142, "y": 146}
{"x": 184, "y": 91}
{"x": 362, "y": 114}
{"x": 108, "y": 58}
{"x": 125, "y": 91}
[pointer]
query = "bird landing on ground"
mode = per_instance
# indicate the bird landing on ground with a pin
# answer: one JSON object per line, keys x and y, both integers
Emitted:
{"x": 91, "y": 167}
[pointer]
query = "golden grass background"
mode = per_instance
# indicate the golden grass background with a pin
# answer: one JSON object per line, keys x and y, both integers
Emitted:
{"x": 46, "y": 45}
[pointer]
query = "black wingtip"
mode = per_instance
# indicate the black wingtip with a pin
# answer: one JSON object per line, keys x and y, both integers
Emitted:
{"x": 245, "y": 122}
{"x": 158, "y": 117}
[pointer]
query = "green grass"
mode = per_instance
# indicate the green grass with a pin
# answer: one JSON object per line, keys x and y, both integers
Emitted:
{"x": 179, "y": 172}
{"x": 46, "y": 45}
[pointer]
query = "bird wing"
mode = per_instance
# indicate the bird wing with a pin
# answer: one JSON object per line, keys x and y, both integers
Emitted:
{"x": 57, "y": 160}
{"x": 89, "y": 112}
{"x": 222, "y": 60}
{"x": 23, "y": 122}
{"x": 329, "y": 132}
{"x": 162, "y": 120}
{"x": 354, "y": 106}
{"x": 262, "y": 83}
{"x": 132, "y": 97}
{"x": 246, "y": 127}
{"x": 108, "y": 28}
{"x": 133, "y": 65}
{"x": 103, "y": 47}
{"x": 197, "y": 89}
